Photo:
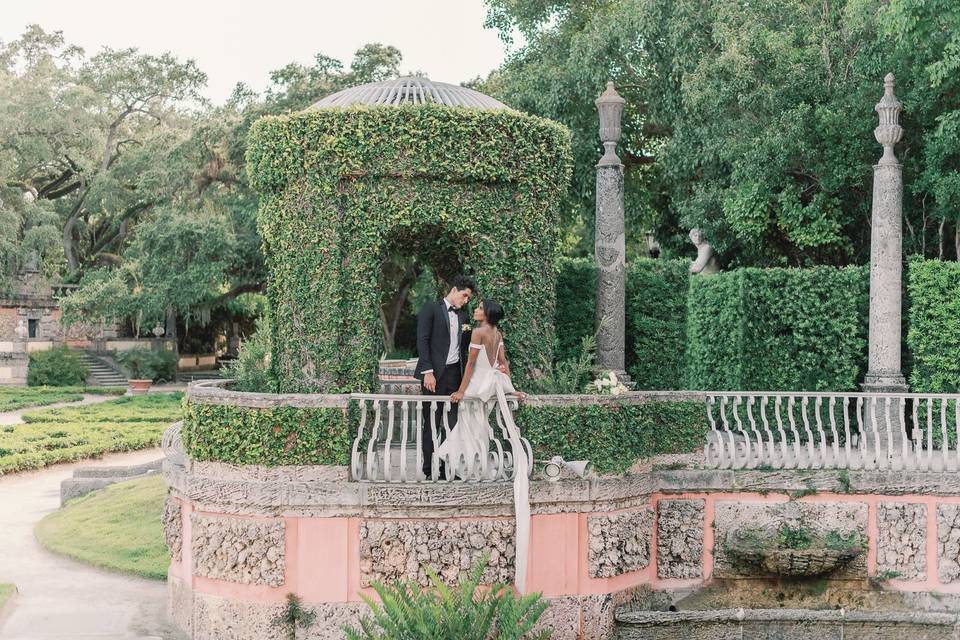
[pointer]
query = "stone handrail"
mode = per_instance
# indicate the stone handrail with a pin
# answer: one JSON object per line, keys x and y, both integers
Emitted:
{"x": 824, "y": 430}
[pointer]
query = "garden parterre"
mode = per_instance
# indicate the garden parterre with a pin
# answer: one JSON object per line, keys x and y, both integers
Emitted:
{"x": 13, "y": 398}
{"x": 73, "y": 433}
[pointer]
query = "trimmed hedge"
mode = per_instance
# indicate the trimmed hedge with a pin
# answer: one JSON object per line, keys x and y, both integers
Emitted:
{"x": 56, "y": 367}
{"x": 656, "y": 317}
{"x": 612, "y": 437}
{"x": 778, "y": 329}
{"x": 470, "y": 189}
{"x": 934, "y": 320}
{"x": 274, "y": 436}
{"x": 53, "y": 436}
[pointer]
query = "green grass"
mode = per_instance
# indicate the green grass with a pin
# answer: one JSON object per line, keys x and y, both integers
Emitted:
{"x": 66, "y": 434}
{"x": 117, "y": 528}
{"x": 6, "y": 591}
{"x": 13, "y": 398}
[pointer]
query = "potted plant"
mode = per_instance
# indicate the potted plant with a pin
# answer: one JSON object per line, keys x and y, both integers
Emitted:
{"x": 135, "y": 361}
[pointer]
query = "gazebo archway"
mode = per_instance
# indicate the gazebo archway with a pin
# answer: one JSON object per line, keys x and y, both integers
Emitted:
{"x": 339, "y": 185}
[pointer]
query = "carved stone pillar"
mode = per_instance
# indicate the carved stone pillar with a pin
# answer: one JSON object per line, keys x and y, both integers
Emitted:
{"x": 609, "y": 249}
{"x": 886, "y": 275}
{"x": 886, "y": 253}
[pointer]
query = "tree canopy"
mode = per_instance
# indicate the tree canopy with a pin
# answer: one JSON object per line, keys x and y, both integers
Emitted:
{"x": 752, "y": 121}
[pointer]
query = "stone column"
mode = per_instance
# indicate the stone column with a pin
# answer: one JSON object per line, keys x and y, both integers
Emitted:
{"x": 609, "y": 248}
{"x": 886, "y": 275}
{"x": 886, "y": 253}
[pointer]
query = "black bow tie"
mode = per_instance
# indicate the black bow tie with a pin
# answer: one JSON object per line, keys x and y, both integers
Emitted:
{"x": 452, "y": 310}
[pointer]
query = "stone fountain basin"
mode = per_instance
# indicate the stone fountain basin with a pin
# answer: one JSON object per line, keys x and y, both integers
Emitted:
{"x": 789, "y": 609}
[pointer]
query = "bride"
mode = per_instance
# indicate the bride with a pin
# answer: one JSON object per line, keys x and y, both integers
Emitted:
{"x": 467, "y": 449}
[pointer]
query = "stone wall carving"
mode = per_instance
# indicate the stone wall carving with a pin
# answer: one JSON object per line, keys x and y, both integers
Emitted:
{"x": 238, "y": 549}
{"x": 948, "y": 541}
{"x": 680, "y": 538}
{"x": 619, "y": 543}
{"x": 391, "y": 550}
{"x": 901, "y": 540}
{"x": 172, "y": 520}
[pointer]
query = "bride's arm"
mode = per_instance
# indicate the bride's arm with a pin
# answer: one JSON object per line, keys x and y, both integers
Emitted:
{"x": 457, "y": 395}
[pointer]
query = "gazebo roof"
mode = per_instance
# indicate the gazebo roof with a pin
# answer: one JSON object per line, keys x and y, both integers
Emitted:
{"x": 409, "y": 90}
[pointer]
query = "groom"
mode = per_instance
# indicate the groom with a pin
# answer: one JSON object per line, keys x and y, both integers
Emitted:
{"x": 441, "y": 354}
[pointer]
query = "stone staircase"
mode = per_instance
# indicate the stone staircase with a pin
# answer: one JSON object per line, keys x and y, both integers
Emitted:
{"x": 101, "y": 374}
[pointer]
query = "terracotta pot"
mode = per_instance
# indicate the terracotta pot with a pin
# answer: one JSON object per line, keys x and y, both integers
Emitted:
{"x": 139, "y": 387}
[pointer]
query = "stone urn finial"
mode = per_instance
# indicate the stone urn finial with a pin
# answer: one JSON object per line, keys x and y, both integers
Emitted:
{"x": 889, "y": 132}
{"x": 610, "y": 106}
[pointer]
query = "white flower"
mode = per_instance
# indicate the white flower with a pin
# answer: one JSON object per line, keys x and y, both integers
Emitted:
{"x": 613, "y": 377}
{"x": 616, "y": 391}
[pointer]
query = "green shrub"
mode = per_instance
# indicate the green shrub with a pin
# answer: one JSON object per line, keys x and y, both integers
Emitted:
{"x": 252, "y": 370}
{"x": 934, "y": 320}
{"x": 613, "y": 436}
{"x": 656, "y": 315}
{"x": 466, "y": 612}
{"x": 56, "y": 367}
{"x": 149, "y": 364}
{"x": 570, "y": 375}
{"x": 576, "y": 291}
{"x": 778, "y": 329}
{"x": 271, "y": 436}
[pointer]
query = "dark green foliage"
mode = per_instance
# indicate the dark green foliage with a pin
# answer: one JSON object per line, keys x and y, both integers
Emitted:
{"x": 613, "y": 436}
{"x": 470, "y": 190}
{"x": 149, "y": 364}
{"x": 657, "y": 322}
{"x": 408, "y": 612}
{"x": 576, "y": 301}
{"x": 934, "y": 335}
{"x": 778, "y": 329}
{"x": 570, "y": 375}
{"x": 252, "y": 370}
{"x": 656, "y": 316}
{"x": 295, "y": 616}
{"x": 274, "y": 436}
{"x": 56, "y": 367}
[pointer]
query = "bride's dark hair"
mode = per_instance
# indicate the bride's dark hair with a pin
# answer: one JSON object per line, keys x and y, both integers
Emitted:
{"x": 493, "y": 311}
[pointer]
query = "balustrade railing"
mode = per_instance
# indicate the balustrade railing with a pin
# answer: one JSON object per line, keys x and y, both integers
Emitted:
{"x": 789, "y": 430}
{"x": 389, "y": 446}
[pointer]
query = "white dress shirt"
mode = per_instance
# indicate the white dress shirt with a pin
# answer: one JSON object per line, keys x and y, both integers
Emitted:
{"x": 453, "y": 355}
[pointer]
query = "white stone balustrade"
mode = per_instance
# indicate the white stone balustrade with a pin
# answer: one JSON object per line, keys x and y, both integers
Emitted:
{"x": 806, "y": 430}
{"x": 389, "y": 442}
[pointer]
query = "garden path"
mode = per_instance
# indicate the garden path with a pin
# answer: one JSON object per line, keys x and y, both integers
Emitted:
{"x": 59, "y": 599}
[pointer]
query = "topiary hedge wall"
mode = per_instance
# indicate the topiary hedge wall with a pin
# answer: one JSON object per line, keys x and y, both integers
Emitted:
{"x": 656, "y": 310}
{"x": 611, "y": 433}
{"x": 778, "y": 329}
{"x": 475, "y": 189}
{"x": 934, "y": 325}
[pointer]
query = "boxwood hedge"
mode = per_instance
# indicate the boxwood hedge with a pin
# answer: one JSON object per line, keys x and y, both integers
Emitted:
{"x": 934, "y": 321}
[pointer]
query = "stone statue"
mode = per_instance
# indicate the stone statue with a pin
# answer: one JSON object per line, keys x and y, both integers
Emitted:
{"x": 706, "y": 262}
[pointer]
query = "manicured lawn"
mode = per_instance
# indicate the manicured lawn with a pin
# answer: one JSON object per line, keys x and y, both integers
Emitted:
{"x": 117, "y": 528}
{"x": 6, "y": 590}
{"x": 73, "y": 433}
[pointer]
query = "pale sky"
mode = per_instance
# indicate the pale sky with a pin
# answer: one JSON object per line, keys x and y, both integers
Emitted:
{"x": 243, "y": 41}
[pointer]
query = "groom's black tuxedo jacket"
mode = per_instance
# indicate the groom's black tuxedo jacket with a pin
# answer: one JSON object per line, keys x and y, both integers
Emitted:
{"x": 433, "y": 338}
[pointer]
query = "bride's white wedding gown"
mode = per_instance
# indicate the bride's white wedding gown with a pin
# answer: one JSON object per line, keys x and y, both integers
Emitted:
{"x": 467, "y": 452}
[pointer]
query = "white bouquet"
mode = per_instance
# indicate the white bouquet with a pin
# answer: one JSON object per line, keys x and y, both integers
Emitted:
{"x": 607, "y": 384}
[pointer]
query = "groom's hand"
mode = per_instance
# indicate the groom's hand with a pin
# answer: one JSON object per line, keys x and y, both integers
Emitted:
{"x": 429, "y": 382}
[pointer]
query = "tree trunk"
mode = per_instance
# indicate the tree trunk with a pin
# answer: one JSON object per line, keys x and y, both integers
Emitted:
{"x": 942, "y": 244}
{"x": 956, "y": 240}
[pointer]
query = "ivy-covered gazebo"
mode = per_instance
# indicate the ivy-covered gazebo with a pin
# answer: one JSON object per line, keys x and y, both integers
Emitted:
{"x": 439, "y": 170}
